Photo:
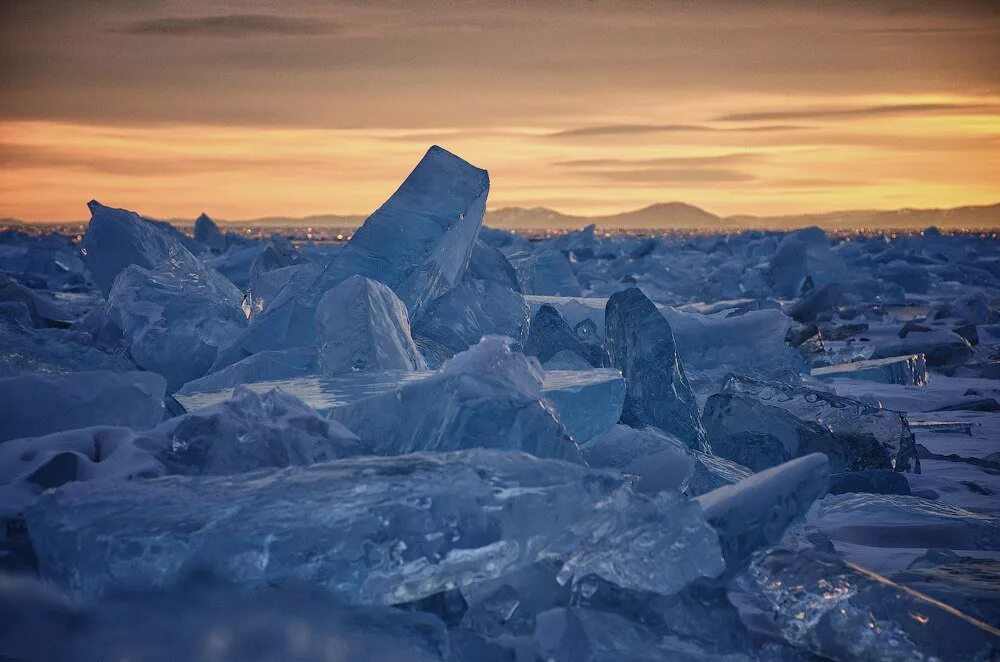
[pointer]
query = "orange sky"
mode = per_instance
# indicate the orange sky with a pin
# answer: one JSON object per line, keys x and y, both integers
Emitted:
{"x": 299, "y": 108}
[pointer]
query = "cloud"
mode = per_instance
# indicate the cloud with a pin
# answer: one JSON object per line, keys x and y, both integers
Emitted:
{"x": 639, "y": 129}
{"x": 665, "y": 176}
{"x": 674, "y": 161}
{"x": 232, "y": 26}
{"x": 867, "y": 111}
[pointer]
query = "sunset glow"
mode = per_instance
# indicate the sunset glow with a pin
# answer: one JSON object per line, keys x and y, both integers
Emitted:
{"x": 892, "y": 111}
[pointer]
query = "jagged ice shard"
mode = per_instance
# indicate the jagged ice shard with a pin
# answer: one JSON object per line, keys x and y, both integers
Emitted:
{"x": 488, "y": 396}
{"x": 362, "y": 326}
{"x": 372, "y": 530}
{"x": 418, "y": 243}
{"x": 871, "y": 437}
{"x": 657, "y": 393}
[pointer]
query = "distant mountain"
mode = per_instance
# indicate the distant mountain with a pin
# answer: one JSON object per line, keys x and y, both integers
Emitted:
{"x": 680, "y": 216}
{"x": 662, "y": 215}
{"x": 666, "y": 216}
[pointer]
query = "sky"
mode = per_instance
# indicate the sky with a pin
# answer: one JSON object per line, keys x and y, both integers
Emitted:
{"x": 294, "y": 108}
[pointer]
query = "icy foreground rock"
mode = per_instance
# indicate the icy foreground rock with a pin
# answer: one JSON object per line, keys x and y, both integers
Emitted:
{"x": 754, "y": 513}
{"x": 871, "y": 438}
{"x": 910, "y": 370}
{"x": 362, "y": 326}
{"x": 173, "y": 322}
{"x": 420, "y": 240}
{"x": 116, "y": 238}
{"x": 488, "y": 396}
{"x": 246, "y": 432}
{"x": 372, "y": 530}
{"x": 844, "y": 612}
{"x": 418, "y": 243}
{"x": 203, "y": 619}
{"x": 33, "y": 405}
{"x": 457, "y": 320}
{"x": 641, "y": 345}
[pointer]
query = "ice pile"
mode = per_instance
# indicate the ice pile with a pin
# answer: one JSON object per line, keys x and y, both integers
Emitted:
{"x": 447, "y": 442}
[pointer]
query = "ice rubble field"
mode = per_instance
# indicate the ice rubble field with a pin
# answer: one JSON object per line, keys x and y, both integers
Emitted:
{"x": 444, "y": 441}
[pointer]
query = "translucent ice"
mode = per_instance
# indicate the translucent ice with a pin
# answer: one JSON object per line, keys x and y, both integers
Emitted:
{"x": 420, "y": 240}
{"x": 754, "y": 513}
{"x": 458, "y": 319}
{"x": 942, "y": 349}
{"x": 641, "y": 345}
{"x": 748, "y": 431}
{"x": 173, "y": 321}
{"x": 247, "y": 432}
{"x": 42, "y": 311}
{"x": 910, "y": 370}
{"x": 587, "y": 402}
{"x": 362, "y": 326}
{"x": 204, "y": 619}
{"x": 489, "y": 264}
{"x": 207, "y": 232}
{"x": 753, "y": 341}
{"x": 842, "y": 611}
{"x": 372, "y": 530}
{"x": 488, "y": 396}
{"x": 895, "y": 520}
{"x": 37, "y": 404}
{"x": 550, "y": 334}
{"x": 24, "y": 349}
{"x": 418, "y": 243}
{"x": 116, "y": 238}
{"x": 659, "y": 461}
{"x": 546, "y": 272}
{"x": 873, "y": 438}
{"x": 788, "y": 269}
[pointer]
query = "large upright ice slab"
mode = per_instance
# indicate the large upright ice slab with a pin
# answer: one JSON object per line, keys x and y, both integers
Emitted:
{"x": 174, "y": 321}
{"x": 873, "y": 438}
{"x": 362, "y": 326}
{"x": 641, "y": 345}
{"x": 116, "y": 238}
{"x": 419, "y": 241}
{"x": 33, "y": 405}
{"x": 754, "y": 513}
{"x": 488, "y": 396}
{"x": 372, "y": 530}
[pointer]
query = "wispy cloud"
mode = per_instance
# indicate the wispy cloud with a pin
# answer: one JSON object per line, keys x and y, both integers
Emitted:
{"x": 666, "y": 176}
{"x": 612, "y": 130}
{"x": 865, "y": 111}
{"x": 231, "y": 26}
{"x": 668, "y": 161}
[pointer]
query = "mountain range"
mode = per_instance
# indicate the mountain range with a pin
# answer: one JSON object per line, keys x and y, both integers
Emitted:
{"x": 676, "y": 216}
{"x": 682, "y": 216}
